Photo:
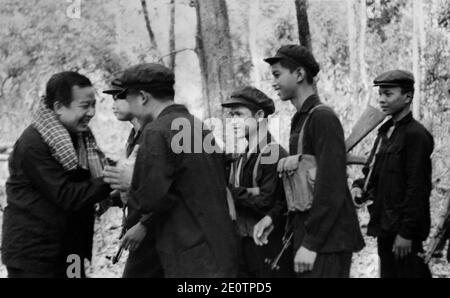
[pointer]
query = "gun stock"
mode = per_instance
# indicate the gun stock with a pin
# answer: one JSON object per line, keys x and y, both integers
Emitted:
{"x": 356, "y": 160}
{"x": 368, "y": 121}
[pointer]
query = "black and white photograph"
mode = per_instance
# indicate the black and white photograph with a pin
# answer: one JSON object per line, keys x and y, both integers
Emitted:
{"x": 211, "y": 143}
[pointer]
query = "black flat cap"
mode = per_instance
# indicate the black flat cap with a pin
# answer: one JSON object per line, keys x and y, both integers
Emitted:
{"x": 393, "y": 78}
{"x": 251, "y": 97}
{"x": 115, "y": 87}
{"x": 147, "y": 77}
{"x": 297, "y": 54}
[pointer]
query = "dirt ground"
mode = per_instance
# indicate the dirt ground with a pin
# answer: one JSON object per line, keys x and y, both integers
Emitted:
{"x": 107, "y": 230}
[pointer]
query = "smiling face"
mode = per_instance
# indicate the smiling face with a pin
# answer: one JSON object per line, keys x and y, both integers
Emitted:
{"x": 392, "y": 100}
{"x": 244, "y": 120}
{"x": 76, "y": 116}
{"x": 285, "y": 81}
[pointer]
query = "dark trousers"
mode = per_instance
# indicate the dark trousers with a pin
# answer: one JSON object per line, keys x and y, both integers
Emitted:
{"x": 412, "y": 266}
{"x": 144, "y": 261}
{"x": 327, "y": 265}
{"x": 330, "y": 265}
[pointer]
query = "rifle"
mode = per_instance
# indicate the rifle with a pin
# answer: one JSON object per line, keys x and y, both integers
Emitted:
{"x": 118, "y": 254}
{"x": 437, "y": 238}
{"x": 273, "y": 264}
{"x": 368, "y": 121}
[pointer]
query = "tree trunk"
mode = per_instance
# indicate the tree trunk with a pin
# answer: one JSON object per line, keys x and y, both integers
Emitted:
{"x": 172, "y": 36}
{"x": 418, "y": 41}
{"x": 256, "y": 57}
{"x": 215, "y": 53}
{"x": 357, "y": 23}
{"x": 362, "y": 52}
{"x": 304, "y": 33}
{"x": 153, "y": 43}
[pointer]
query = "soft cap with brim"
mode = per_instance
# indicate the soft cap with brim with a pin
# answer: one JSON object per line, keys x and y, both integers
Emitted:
{"x": 115, "y": 88}
{"x": 394, "y": 78}
{"x": 296, "y": 54}
{"x": 251, "y": 97}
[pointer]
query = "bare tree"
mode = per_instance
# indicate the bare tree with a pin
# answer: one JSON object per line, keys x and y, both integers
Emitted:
{"x": 172, "y": 36}
{"x": 253, "y": 22}
{"x": 215, "y": 53}
{"x": 357, "y": 23}
{"x": 304, "y": 33}
{"x": 151, "y": 35}
{"x": 418, "y": 43}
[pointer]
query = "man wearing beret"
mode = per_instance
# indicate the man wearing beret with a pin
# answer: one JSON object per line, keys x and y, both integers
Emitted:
{"x": 143, "y": 260}
{"x": 400, "y": 181}
{"x": 327, "y": 233}
{"x": 184, "y": 192}
{"x": 254, "y": 183}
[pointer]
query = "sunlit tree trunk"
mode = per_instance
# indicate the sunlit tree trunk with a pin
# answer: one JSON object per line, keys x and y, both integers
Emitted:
{"x": 215, "y": 53}
{"x": 172, "y": 45}
{"x": 418, "y": 42}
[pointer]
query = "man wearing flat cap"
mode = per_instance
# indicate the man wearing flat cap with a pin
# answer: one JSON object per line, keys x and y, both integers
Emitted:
{"x": 254, "y": 184}
{"x": 183, "y": 193}
{"x": 400, "y": 181}
{"x": 143, "y": 260}
{"x": 326, "y": 231}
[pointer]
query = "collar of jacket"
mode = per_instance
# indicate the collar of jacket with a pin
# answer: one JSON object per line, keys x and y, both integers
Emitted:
{"x": 262, "y": 143}
{"x": 405, "y": 120}
{"x": 309, "y": 103}
{"x": 173, "y": 108}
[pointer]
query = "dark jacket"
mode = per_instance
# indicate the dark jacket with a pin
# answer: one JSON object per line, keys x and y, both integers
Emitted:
{"x": 331, "y": 225}
{"x": 185, "y": 192}
{"x": 400, "y": 184}
{"x": 50, "y": 212}
{"x": 271, "y": 201}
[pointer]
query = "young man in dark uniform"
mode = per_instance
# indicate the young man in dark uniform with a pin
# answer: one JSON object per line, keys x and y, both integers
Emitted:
{"x": 143, "y": 262}
{"x": 326, "y": 235}
{"x": 179, "y": 183}
{"x": 254, "y": 183}
{"x": 400, "y": 181}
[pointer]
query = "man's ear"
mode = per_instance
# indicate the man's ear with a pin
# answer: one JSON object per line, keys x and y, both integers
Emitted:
{"x": 57, "y": 106}
{"x": 259, "y": 115}
{"x": 301, "y": 74}
{"x": 409, "y": 96}
{"x": 145, "y": 97}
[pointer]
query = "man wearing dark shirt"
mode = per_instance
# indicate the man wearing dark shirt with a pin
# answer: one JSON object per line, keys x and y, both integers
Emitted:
{"x": 143, "y": 261}
{"x": 179, "y": 183}
{"x": 326, "y": 235}
{"x": 254, "y": 183}
{"x": 54, "y": 183}
{"x": 400, "y": 181}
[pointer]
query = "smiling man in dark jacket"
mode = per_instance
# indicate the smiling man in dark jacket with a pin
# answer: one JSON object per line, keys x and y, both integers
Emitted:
{"x": 327, "y": 233}
{"x": 254, "y": 183}
{"x": 54, "y": 183}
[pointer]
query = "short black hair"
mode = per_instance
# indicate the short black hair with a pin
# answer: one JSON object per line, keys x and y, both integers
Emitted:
{"x": 59, "y": 87}
{"x": 294, "y": 66}
{"x": 406, "y": 89}
{"x": 253, "y": 109}
{"x": 160, "y": 93}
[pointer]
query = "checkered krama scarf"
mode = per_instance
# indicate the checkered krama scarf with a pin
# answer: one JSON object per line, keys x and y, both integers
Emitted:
{"x": 87, "y": 156}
